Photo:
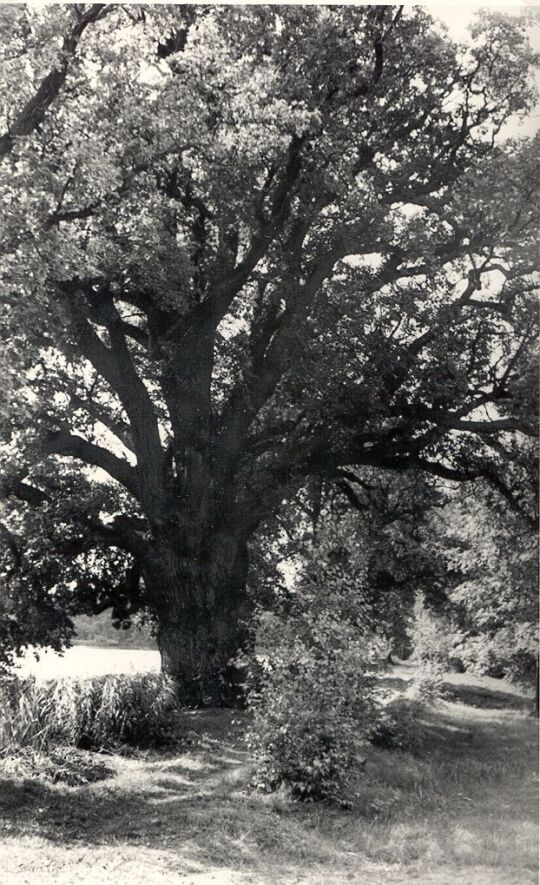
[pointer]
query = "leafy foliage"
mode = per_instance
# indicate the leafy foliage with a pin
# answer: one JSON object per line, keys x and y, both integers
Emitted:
{"x": 493, "y": 598}
{"x": 511, "y": 651}
{"x": 380, "y": 527}
{"x": 433, "y": 638}
{"x": 396, "y": 724}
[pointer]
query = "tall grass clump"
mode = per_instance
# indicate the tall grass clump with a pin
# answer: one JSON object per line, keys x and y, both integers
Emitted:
{"x": 26, "y": 714}
{"x": 103, "y": 712}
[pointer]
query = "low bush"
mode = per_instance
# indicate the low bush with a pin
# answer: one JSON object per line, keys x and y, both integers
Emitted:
{"x": 310, "y": 713}
{"x": 89, "y": 713}
{"x": 396, "y": 727}
{"x": 312, "y": 699}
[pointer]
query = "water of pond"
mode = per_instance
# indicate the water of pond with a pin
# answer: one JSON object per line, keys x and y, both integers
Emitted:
{"x": 84, "y": 661}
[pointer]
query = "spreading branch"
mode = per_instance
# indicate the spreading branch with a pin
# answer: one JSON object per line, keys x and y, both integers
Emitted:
{"x": 59, "y": 442}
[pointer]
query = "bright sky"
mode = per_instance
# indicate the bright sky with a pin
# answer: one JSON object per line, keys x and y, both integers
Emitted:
{"x": 459, "y": 15}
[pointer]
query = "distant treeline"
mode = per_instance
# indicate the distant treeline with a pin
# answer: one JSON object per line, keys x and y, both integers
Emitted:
{"x": 99, "y": 631}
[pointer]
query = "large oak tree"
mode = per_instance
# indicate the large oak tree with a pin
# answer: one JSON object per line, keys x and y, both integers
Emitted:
{"x": 243, "y": 247}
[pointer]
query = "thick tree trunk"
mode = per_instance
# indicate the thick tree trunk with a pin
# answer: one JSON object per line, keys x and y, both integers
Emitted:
{"x": 202, "y": 615}
{"x": 198, "y": 649}
{"x": 536, "y": 707}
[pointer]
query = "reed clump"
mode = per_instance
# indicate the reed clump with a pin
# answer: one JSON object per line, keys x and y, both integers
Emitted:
{"x": 103, "y": 712}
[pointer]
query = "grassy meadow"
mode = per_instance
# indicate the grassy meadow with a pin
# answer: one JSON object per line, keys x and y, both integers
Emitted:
{"x": 461, "y": 808}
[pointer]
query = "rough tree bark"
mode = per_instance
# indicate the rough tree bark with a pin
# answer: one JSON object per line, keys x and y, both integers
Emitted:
{"x": 202, "y": 610}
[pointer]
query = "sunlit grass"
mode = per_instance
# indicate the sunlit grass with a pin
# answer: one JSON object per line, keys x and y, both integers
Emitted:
{"x": 460, "y": 808}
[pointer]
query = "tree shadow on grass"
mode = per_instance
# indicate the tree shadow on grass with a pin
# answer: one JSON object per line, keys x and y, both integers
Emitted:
{"x": 388, "y": 681}
{"x": 197, "y": 821}
{"x": 489, "y": 698}
{"x": 460, "y": 690}
{"x": 193, "y": 802}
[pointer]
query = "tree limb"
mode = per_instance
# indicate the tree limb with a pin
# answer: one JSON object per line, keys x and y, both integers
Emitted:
{"x": 59, "y": 442}
{"x": 116, "y": 366}
{"x": 33, "y": 112}
{"x": 14, "y": 485}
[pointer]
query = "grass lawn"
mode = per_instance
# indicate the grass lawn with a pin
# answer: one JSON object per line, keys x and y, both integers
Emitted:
{"x": 463, "y": 809}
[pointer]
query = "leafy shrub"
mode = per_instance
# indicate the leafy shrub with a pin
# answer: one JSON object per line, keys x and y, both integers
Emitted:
{"x": 313, "y": 697}
{"x": 433, "y": 639}
{"x": 396, "y": 727}
{"x": 427, "y": 685}
{"x": 510, "y": 652}
{"x": 313, "y": 706}
{"x": 90, "y": 713}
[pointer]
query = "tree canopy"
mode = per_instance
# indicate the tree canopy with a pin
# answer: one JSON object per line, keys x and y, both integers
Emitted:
{"x": 243, "y": 247}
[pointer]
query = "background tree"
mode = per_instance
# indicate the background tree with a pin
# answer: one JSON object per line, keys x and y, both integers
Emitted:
{"x": 380, "y": 527}
{"x": 493, "y": 563}
{"x": 241, "y": 248}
